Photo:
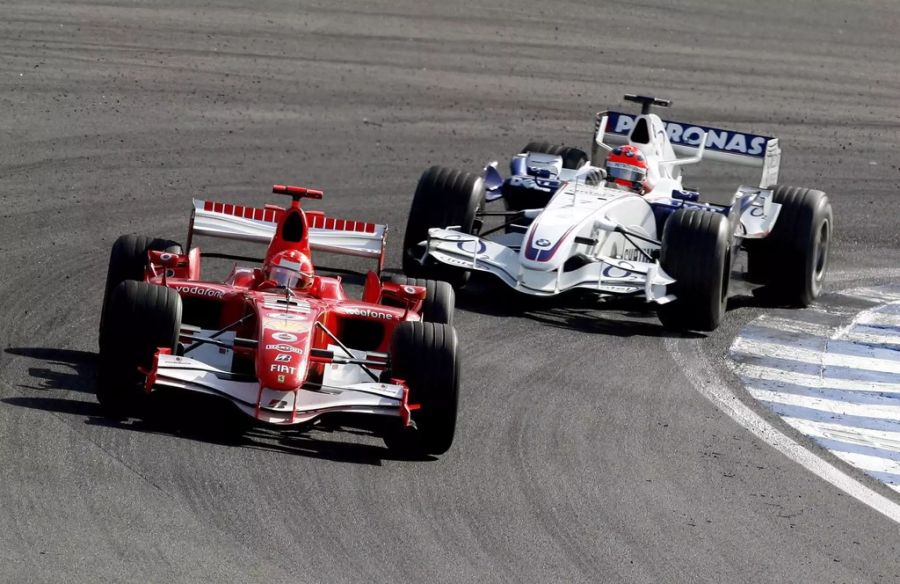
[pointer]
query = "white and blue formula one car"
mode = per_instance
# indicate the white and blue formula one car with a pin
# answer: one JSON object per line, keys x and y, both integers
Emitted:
{"x": 566, "y": 228}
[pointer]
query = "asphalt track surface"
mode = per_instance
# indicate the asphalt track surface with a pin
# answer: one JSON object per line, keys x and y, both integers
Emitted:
{"x": 583, "y": 455}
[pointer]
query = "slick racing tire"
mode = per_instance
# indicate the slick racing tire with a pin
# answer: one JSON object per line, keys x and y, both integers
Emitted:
{"x": 440, "y": 299}
{"x": 696, "y": 252}
{"x": 127, "y": 261}
{"x": 141, "y": 318}
{"x": 793, "y": 259}
{"x": 443, "y": 197}
{"x": 519, "y": 197}
{"x": 573, "y": 158}
{"x": 425, "y": 355}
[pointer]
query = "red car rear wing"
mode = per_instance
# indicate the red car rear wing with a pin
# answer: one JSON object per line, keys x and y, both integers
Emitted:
{"x": 255, "y": 224}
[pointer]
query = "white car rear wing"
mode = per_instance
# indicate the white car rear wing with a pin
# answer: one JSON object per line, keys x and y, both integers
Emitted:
{"x": 721, "y": 145}
{"x": 326, "y": 234}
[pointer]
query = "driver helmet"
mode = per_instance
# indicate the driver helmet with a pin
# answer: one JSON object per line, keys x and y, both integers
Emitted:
{"x": 290, "y": 269}
{"x": 626, "y": 166}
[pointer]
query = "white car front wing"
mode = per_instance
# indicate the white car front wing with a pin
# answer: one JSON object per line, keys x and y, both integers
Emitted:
{"x": 605, "y": 275}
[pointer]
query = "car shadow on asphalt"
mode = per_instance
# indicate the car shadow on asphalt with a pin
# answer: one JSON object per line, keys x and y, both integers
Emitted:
{"x": 312, "y": 444}
{"x": 64, "y": 370}
{"x": 577, "y": 311}
{"x": 584, "y": 312}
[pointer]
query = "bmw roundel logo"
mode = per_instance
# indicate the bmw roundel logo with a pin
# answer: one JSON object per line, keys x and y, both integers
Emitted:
{"x": 542, "y": 243}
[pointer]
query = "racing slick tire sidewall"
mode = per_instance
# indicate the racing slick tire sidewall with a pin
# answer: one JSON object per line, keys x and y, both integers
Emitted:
{"x": 426, "y": 356}
{"x": 443, "y": 197}
{"x": 696, "y": 252}
{"x": 573, "y": 158}
{"x": 440, "y": 299}
{"x": 519, "y": 198}
{"x": 793, "y": 260}
{"x": 142, "y": 317}
{"x": 127, "y": 261}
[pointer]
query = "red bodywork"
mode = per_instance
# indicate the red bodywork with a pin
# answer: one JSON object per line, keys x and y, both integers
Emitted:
{"x": 288, "y": 331}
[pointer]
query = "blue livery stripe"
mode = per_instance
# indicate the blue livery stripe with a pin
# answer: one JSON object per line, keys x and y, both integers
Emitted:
{"x": 681, "y": 134}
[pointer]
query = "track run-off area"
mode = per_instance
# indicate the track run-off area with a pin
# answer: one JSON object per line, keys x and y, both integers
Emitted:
{"x": 593, "y": 445}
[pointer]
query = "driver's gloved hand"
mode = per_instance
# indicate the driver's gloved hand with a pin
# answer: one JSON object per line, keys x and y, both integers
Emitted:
{"x": 595, "y": 176}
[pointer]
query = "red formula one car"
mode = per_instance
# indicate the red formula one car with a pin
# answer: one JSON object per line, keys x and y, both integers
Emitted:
{"x": 284, "y": 345}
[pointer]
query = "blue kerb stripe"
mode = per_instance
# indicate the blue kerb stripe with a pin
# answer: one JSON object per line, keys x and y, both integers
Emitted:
{"x": 853, "y": 448}
{"x": 885, "y": 477}
{"x": 814, "y": 415}
{"x": 853, "y": 397}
